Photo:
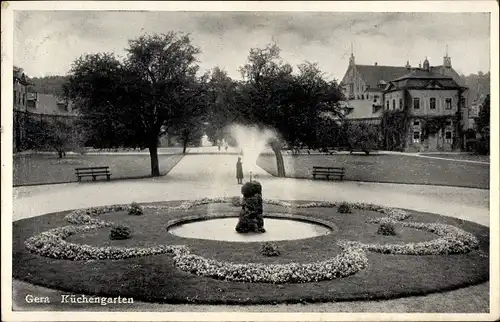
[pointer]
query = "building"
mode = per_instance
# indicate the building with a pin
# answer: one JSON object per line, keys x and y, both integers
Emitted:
{"x": 424, "y": 93}
{"x": 20, "y": 85}
{"x": 31, "y": 106}
{"x": 47, "y": 104}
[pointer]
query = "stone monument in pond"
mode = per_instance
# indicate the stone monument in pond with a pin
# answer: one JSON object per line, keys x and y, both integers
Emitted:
{"x": 251, "y": 218}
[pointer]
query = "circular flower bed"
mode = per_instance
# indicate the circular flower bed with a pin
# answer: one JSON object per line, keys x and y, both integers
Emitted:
{"x": 352, "y": 256}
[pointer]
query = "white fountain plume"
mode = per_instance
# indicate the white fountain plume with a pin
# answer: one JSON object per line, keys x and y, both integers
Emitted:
{"x": 252, "y": 141}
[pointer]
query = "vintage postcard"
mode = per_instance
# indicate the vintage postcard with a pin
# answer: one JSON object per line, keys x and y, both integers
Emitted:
{"x": 250, "y": 161}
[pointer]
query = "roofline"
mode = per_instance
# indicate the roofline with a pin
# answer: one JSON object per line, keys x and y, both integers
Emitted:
{"x": 384, "y": 66}
{"x": 421, "y": 88}
{"x": 422, "y": 77}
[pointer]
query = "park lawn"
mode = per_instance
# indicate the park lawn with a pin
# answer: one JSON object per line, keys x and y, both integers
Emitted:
{"x": 466, "y": 157}
{"x": 387, "y": 168}
{"x": 47, "y": 169}
{"x": 156, "y": 278}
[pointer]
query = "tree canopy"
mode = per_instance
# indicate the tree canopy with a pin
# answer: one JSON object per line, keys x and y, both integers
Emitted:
{"x": 136, "y": 100}
{"x": 156, "y": 89}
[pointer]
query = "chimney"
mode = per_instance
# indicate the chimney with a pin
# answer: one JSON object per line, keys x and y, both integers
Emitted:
{"x": 408, "y": 66}
{"x": 376, "y": 64}
{"x": 427, "y": 66}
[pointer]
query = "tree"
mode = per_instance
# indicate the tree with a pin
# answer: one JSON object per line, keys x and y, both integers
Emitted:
{"x": 141, "y": 98}
{"x": 267, "y": 86}
{"x": 59, "y": 135}
{"x": 362, "y": 136}
{"x": 272, "y": 96}
{"x": 483, "y": 120}
{"x": 315, "y": 103}
{"x": 483, "y": 127}
{"x": 223, "y": 109}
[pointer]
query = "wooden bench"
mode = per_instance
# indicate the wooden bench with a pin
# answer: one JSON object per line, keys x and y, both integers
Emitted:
{"x": 329, "y": 172}
{"x": 93, "y": 172}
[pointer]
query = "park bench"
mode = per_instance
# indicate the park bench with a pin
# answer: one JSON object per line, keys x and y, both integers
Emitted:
{"x": 329, "y": 172}
{"x": 93, "y": 172}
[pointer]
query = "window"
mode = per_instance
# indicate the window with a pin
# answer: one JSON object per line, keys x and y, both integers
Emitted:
{"x": 416, "y": 123}
{"x": 448, "y": 103}
{"x": 416, "y": 137}
{"x": 387, "y": 105}
{"x": 400, "y": 103}
{"x": 351, "y": 88}
{"x": 416, "y": 103}
{"x": 24, "y": 98}
{"x": 362, "y": 96}
{"x": 447, "y": 136}
{"x": 462, "y": 102}
{"x": 393, "y": 104}
{"x": 448, "y": 123}
{"x": 433, "y": 103}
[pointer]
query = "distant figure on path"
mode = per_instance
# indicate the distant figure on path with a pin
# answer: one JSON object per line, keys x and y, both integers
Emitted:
{"x": 219, "y": 147}
{"x": 226, "y": 147}
{"x": 239, "y": 171}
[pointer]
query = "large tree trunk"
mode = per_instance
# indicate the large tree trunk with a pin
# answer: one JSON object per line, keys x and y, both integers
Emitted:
{"x": 280, "y": 164}
{"x": 155, "y": 168}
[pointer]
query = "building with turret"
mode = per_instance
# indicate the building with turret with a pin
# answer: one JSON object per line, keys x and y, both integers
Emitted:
{"x": 433, "y": 98}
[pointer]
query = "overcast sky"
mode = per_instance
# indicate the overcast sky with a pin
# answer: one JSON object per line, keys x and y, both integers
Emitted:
{"x": 47, "y": 42}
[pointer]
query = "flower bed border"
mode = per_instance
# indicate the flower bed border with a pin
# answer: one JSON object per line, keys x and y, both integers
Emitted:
{"x": 352, "y": 259}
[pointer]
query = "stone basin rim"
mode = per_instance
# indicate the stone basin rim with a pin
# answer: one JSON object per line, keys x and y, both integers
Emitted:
{"x": 274, "y": 215}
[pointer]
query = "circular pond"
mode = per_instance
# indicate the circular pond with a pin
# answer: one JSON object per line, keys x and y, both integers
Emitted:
{"x": 223, "y": 229}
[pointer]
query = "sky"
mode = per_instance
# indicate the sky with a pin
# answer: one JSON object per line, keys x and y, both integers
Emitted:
{"x": 47, "y": 42}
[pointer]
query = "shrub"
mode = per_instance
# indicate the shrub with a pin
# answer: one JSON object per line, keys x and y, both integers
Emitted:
{"x": 269, "y": 249}
{"x": 135, "y": 209}
{"x": 386, "y": 229}
{"x": 120, "y": 232}
{"x": 344, "y": 208}
{"x": 478, "y": 146}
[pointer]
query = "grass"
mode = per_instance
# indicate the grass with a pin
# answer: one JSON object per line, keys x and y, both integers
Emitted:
{"x": 156, "y": 279}
{"x": 46, "y": 169}
{"x": 387, "y": 168}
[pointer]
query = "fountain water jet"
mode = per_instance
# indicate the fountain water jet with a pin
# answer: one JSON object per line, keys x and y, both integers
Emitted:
{"x": 252, "y": 141}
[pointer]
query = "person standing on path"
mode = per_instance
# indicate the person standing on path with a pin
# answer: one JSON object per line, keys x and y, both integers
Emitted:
{"x": 239, "y": 171}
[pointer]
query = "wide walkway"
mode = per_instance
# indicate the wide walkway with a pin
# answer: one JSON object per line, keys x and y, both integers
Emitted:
{"x": 213, "y": 175}
{"x": 198, "y": 176}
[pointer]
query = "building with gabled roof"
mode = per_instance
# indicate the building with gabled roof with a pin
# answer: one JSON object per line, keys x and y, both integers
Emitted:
{"x": 29, "y": 105}
{"x": 424, "y": 92}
